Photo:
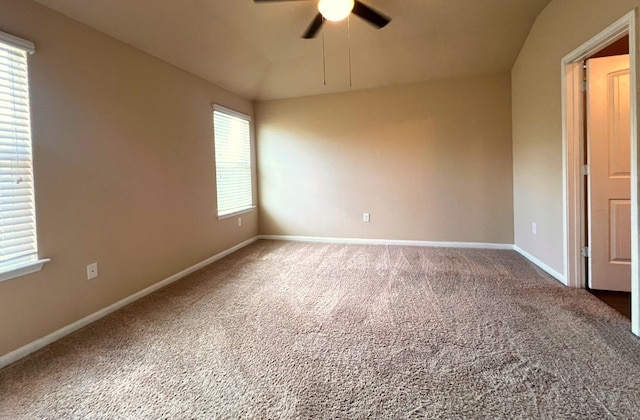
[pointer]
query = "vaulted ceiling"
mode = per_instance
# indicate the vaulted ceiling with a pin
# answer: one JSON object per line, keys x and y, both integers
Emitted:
{"x": 256, "y": 50}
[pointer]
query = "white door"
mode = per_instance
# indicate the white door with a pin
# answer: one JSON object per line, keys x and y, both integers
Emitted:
{"x": 609, "y": 151}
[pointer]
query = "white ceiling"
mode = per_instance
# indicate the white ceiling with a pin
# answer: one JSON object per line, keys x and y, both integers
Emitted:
{"x": 255, "y": 50}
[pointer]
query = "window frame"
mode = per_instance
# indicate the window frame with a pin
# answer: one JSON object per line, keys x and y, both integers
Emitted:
{"x": 247, "y": 118}
{"x": 10, "y": 270}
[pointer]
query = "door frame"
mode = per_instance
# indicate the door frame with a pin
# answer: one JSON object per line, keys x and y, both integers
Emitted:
{"x": 573, "y": 152}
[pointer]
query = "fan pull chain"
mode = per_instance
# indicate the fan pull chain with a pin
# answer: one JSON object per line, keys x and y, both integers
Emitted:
{"x": 324, "y": 61}
{"x": 349, "y": 45}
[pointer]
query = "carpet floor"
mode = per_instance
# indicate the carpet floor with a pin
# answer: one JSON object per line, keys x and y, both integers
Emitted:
{"x": 284, "y": 329}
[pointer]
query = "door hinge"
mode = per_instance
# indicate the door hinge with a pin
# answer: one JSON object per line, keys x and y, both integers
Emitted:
{"x": 586, "y": 170}
{"x": 586, "y": 252}
{"x": 584, "y": 86}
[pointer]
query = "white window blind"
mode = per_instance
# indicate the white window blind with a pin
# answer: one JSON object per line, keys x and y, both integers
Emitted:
{"x": 232, "y": 141}
{"x": 18, "y": 242}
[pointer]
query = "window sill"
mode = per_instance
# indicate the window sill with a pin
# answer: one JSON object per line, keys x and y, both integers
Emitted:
{"x": 22, "y": 269}
{"x": 236, "y": 213}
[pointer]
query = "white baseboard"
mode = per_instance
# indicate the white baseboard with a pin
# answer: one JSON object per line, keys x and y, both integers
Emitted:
{"x": 56, "y": 335}
{"x": 558, "y": 276}
{"x": 401, "y": 242}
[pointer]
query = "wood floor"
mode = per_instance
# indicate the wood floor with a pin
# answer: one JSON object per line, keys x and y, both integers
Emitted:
{"x": 620, "y": 301}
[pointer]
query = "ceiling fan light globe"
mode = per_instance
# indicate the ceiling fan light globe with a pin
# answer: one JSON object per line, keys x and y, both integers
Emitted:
{"x": 335, "y": 10}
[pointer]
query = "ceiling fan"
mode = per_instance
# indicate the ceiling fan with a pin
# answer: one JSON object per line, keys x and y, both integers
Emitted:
{"x": 336, "y": 10}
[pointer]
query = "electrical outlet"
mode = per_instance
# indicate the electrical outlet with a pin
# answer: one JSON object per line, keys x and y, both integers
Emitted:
{"x": 534, "y": 228}
{"x": 92, "y": 271}
{"x": 239, "y": 221}
{"x": 365, "y": 217}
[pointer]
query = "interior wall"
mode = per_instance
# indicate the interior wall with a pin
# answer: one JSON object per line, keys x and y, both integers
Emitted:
{"x": 124, "y": 173}
{"x": 619, "y": 47}
{"x": 537, "y": 119}
{"x": 429, "y": 162}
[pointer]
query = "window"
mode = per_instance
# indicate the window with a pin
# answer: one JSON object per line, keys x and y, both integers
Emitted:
{"x": 232, "y": 141}
{"x": 18, "y": 241}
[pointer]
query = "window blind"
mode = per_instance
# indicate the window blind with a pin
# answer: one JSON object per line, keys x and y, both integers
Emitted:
{"x": 232, "y": 141}
{"x": 17, "y": 210}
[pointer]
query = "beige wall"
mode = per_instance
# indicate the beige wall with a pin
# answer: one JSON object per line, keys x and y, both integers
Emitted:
{"x": 537, "y": 119}
{"x": 429, "y": 161}
{"x": 123, "y": 169}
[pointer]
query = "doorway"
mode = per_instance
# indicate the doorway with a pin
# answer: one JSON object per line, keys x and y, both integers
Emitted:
{"x": 575, "y": 148}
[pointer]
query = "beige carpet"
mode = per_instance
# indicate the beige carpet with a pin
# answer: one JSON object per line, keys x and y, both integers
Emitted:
{"x": 281, "y": 330}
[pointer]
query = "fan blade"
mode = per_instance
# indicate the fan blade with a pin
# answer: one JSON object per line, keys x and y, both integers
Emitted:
{"x": 370, "y": 15}
{"x": 314, "y": 27}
